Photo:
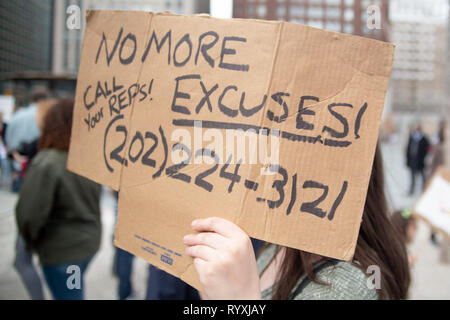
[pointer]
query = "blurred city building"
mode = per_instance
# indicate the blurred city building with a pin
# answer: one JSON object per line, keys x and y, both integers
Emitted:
{"x": 25, "y": 35}
{"x": 67, "y": 42}
{"x": 419, "y": 29}
{"x": 25, "y": 45}
{"x": 348, "y": 16}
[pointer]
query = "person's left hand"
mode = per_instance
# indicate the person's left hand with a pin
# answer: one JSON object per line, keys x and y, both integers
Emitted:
{"x": 224, "y": 259}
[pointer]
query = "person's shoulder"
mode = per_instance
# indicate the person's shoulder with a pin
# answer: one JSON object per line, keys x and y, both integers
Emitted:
{"x": 343, "y": 281}
{"x": 50, "y": 159}
{"x": 349, "y": 281}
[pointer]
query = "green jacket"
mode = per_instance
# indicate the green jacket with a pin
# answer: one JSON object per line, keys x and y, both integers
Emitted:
{"x": 58, "y": 212}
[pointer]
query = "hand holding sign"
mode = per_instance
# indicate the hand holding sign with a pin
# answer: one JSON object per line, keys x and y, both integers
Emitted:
{"x": 224, "y": 259}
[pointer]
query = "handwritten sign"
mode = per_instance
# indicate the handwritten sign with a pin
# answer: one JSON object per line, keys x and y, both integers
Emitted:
{"x": 271, "y": 125}
{"x": 433, "y": 205}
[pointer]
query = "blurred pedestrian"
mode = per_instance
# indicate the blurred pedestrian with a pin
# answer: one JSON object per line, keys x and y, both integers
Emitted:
{"x": 437, "y": 153}
{"x": 4, "y": 165}
{"x": 23, "y": 129}
{"x": 58, "y": 212}
{"x": 406, "y": 226}
{"x": 123, "y": 266}
{"x": 415, "y": 156}
{"x": 23, "y": 262}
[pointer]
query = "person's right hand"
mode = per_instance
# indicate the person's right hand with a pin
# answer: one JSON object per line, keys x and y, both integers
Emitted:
{"x": 224, "y": 259}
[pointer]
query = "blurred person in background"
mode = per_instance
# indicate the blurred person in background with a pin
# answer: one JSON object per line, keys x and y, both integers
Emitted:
{"x": 23, "y": 262}
{"x": 437, "y": 153}
{"x": 58, "y": 212}
{"x": 123, "y": 266}
{"x": 4, "y": 165}
{"x": 28, "y": 149}
{"x": 416, "y": 153}
{"x": 23, "y": 129}
{"x": 405, "y": 225}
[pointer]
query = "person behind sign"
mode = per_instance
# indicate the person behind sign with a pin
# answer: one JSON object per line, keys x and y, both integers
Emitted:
{"x": 437, "y": 151}
{"x": 227, "y": 268}
{"x": 58, "y": 212}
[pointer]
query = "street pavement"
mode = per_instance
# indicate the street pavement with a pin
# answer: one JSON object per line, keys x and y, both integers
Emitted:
{"x": 430, "y": 278}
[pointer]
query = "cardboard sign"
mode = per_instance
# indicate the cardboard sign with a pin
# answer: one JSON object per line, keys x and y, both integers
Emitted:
{"x": 433, "y": 205}
{"x": 163, "y": 101}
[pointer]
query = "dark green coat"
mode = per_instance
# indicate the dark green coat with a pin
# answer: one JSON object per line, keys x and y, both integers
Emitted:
{"x": 58, "y": 212}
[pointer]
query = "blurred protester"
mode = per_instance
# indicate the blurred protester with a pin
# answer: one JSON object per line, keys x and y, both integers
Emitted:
{"x": 406, "y": 225}
{"x": 4, "y": 165}
{"x": 58, "y": 212}
{"x": 23, "y": 262}
{"x": 437, "y": 153}
{"x": 123, "y": 267}
{"x": 23, "y": 129}
{"x": 163, "y": 286}
{"x": 27, "y": 150}
{"x": 415, "y": 156}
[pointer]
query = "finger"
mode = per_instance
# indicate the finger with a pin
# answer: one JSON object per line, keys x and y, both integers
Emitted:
{"x": 203, "y": 252}
{"x": 224, "y": 227}
{"x": 210, "y": 239}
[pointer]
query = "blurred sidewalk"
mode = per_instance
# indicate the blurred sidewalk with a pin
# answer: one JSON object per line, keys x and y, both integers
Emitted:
{"x": 431, "y": 280}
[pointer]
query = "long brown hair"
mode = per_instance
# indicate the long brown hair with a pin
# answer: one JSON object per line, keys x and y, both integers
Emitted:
{"x": 378, "y": 244}
{"x": 402, "y": 220}
{"x": 57, "y": 126}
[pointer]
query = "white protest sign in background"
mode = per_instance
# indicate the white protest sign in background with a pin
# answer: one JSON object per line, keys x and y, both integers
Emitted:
{"x": 434, "y": 204}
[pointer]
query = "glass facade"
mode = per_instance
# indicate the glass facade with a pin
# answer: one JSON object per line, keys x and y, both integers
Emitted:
{"x": 346, "y": 16}
{"x": 26, "y": 35}
{"x": 69, "y": 52}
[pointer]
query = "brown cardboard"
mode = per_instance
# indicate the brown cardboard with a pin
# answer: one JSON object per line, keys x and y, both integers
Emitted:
{"x": 283, "y": 61}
